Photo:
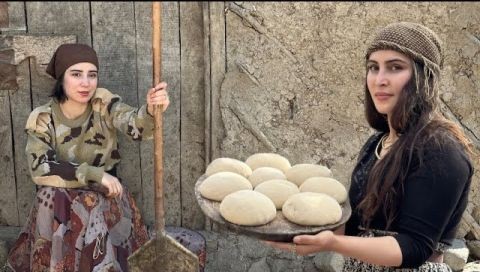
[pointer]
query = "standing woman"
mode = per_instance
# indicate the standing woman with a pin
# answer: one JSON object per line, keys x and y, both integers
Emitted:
{"x": 83, "y": 218}
{"x": 410, "y": 186}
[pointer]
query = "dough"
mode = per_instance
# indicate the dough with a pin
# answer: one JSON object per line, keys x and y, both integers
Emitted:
{"x": 329, "y": 186}
{"x": 228, "y": 165}
{"x": 220, "y": 184}
{"x": 312, "y": 209}
{"x": 300, "y": 172}
{"x": 262, "y": 174}
{"x": 268, "y": 160}
{"x": 277, "y": 190}
{"x": 248, "y": 208}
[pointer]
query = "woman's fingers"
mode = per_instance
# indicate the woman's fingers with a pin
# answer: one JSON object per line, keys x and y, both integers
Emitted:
{"x": 158, "y": 100}
{"x": 160, "y": 86}
{"x": 111, "y": 190}
{"x": 158, "y": 95}
{"x": 305, "y": 239}
{"x": 120, "y": 189}
{"x": 114, "y": 189}
{"x": 281, "y": 245}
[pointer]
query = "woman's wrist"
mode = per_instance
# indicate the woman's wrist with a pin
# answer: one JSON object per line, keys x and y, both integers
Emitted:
{"x": 333, "y": 242}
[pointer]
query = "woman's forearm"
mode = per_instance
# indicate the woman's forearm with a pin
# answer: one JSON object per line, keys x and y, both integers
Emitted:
{"x": 375, "y": 250}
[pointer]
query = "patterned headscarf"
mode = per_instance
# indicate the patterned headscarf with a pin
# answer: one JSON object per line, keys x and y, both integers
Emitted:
{"x": 416, "y": 41}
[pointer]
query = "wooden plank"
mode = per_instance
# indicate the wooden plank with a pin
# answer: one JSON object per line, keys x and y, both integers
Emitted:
{"x": 143, "y": 26}
{"x": 113, "y": 27}
{"x": 20, "y": 108}
{"x": 9, "y": 234}
{"x": 58, "y": 18}
{"x": 192, "y": 110}
{"x": 218, "y": 70}
{"x": 171, "y": 118}
{"x": 16, "y": 18}
{"x": 64, "y": 18}
{"x": 4, "y": 21}
{"x": 31, "y": 55}
{"x": 8, "y": 202}
{"x": 214, "y": 59}
{"x": 38, "y": 49}
{"x": 207, "y": 81}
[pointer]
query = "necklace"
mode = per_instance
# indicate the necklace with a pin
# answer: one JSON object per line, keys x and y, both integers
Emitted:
{"x": 380, "y": 143}
{"x": 386, "y": 145}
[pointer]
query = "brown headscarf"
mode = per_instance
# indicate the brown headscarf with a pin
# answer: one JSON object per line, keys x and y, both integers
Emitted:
{"x": 68, "y": 55}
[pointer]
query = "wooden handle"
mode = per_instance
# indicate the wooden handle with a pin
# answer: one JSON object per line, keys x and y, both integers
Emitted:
{"x": 158, "y": 132}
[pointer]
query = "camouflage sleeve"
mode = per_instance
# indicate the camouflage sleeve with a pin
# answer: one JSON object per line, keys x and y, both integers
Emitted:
{"x": 41, "y": 156}
{"x": 133, "y": 122}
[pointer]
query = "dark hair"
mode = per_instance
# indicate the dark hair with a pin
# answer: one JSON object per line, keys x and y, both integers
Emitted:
{"x": 58, "y": 91}
{"x": 416, "y": 119}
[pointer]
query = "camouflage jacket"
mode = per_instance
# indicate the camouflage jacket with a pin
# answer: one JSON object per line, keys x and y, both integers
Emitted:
{"x": 72, "y": 153}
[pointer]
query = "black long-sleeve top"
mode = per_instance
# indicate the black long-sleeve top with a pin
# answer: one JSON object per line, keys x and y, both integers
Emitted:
{"x": 435, "y": 197}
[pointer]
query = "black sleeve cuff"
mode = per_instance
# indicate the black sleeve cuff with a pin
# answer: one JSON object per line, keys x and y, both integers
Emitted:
{"x": 414, "y": 252}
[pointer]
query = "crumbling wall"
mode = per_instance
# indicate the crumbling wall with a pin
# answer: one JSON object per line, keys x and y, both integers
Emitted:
{"x": 295, "y": 80}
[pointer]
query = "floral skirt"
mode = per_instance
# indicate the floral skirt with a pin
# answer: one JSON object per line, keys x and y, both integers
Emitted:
{"x": 82, "y": 230}
{"x": 354, "y": 265}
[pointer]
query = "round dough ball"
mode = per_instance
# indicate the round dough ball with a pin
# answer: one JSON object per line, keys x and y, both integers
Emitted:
{"x": 268, "y": 160}
{"x": 312, "y": 209}
{"x": 300, "y": 172}
{"x": 262, "y": 174}
{"x": 248, "y": 208}
{"x": 228, "y": 165}
{"x": 220, "y": 184}
{"x": 278, "y": 190}
{"x": 329, "y": 186}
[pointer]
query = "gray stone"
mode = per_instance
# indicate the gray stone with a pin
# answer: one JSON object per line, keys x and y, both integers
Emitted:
{"x": 260, "y": 266}
{"x": 476, "y": 214}
{"x": 456, "y": 256}
{"x": 227, "y": 251}
{"x": 3, "y": 252}
{"x": 329, "y": 262}
{"x": 472, "y": 267}
{"x": 474, "y": 247}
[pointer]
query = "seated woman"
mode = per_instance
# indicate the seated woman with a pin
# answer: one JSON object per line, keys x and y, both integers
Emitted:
{"x": 83, "y": 218}
{"x": 410, "y": 186}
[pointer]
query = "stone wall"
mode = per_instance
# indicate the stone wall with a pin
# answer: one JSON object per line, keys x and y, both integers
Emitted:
{"x": 295, "y": 79}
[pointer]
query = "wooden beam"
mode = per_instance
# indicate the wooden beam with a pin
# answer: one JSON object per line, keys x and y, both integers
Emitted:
{"x": 8, "y": 199}
{"x": 61, "y": 18}
{"x": 192, "y": 110}
{"x": 113, "y": 27}
{"x": 214, "y": 73}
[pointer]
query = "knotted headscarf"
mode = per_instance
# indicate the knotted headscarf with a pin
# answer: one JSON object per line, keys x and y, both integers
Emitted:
{"x": 67, "y": 55}
{"x": 418, "y": 42}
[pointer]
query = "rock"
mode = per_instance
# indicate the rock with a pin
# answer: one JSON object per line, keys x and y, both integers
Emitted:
{"x": 3, "y": 252}
{"x": 329, "y": 262}
{"x": 476, "y": 214}
{"x": 463, "y": 227}
{"x": 456, "y": 256}
{"x": 260, "y": 266}
{"x": 472, "y": 267}
{"x": 474, "y": 247}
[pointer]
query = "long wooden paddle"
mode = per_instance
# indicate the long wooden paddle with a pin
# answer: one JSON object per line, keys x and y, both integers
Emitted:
{"x": 161, "y": 253}
{"x": 158, "y": 133}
